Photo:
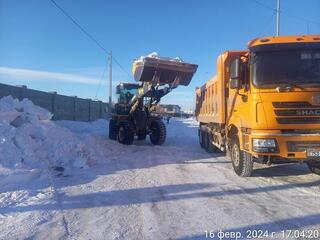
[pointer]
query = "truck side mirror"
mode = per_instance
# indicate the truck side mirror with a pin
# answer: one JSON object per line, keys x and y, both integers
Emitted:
{"x": 235, "y": 74}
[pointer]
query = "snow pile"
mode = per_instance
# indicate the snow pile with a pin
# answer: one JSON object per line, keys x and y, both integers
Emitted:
{"x": 13, "y": 111}
{"x": 157, "y": 56}
{"x": 28, "y": 139}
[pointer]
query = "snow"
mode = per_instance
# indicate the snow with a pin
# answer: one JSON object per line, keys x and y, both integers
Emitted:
{"x": 157, "y": 56}
{"x": 30, "y": 140}
{"x": 75, "y": 183}
{"x": 154, "y": 55}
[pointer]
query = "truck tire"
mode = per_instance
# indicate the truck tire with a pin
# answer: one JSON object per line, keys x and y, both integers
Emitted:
{"x": 113, "y": 130}
{"x": 200, "y": 135}
{"x": 242, "y": 161}
{"x": 210, "y": 147}
{"x": 142, "y": 134}
{"x": 125, "y": 134}
{"x": 158, "y": 132}
{"x": 314, "y": 167}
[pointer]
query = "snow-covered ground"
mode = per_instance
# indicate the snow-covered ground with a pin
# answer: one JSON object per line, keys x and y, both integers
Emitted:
{"x": 67, "y": 180}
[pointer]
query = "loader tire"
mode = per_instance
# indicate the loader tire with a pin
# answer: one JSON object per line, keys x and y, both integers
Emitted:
{"x": 314, "y": 167}
{"x": 125, "y": 134}
{"x": 142, "y": 134}
{"x": 158, "y": 132}
{"x": 113, "y": 129}
{"x": 242, "y": 161}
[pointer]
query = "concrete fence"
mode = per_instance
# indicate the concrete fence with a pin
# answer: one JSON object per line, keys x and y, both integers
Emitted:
{"x": 62, "y": 107}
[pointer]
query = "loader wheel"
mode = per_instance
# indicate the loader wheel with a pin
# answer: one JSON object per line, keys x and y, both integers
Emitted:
{"x": 113, "y": 129}
{"x": 158, "y": 132}
{"x": 125, "y": 134}
{"x": 314, "y": 167}
{"x": 142, "y": 134}
{"x": 242, "y": 161}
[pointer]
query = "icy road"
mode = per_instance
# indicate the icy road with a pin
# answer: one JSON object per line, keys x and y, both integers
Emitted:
{"x": 174, "y": 191}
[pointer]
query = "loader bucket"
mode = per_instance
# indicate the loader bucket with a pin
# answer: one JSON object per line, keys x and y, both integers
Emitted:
{"x": 163, "y": 71}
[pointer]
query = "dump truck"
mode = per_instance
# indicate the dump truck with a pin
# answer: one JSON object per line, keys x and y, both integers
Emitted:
{"x": 263, "y": 104}
{"x": 134, "y": 113}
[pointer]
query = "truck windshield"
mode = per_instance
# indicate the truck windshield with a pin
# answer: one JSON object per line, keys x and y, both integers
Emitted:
{"x": 283, "y": 68}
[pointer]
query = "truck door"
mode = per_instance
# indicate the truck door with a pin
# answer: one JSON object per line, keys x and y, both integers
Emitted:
{"x": 237, "y": 94}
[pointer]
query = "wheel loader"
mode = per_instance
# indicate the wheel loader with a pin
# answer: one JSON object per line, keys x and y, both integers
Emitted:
{"x": 134, "y": 113}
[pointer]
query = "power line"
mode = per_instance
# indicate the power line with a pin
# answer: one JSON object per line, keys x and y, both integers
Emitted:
{"x": 87, "y": 34}
{"x": 117, "y": 62}
{"x": 264, "y": 5}
{"x": 285, "y": 13}
{"x": 80, "y": 27}
{"x": 266, "y": 25}
{"x": 301, "y": 18}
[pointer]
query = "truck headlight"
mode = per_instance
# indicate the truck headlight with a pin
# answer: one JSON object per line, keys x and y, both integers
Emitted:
{"x": 266, "y": 145}
{"x": 263, "y": 142}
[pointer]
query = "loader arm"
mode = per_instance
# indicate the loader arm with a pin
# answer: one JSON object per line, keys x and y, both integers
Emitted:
{"x": 158, "y": 77}
{"x": 149, "y": 96}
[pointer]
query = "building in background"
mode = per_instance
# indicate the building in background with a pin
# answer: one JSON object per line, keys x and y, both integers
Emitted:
{"x": 187, "y": 113}
{"x": 169, "y": 110}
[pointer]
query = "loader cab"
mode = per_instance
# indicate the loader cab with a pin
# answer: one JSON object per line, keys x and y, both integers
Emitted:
{"x": 125, "y": 92}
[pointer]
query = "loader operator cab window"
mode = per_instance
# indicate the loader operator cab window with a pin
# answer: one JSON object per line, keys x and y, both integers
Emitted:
{"x": 126, "y": 93}
{"x": 125, "y": 96}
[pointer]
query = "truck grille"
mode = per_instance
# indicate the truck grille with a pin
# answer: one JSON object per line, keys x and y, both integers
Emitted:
{"x": 310, "y": 120}
{"x": 298, "y": 112}
{"x": 291, "y": 104}
{"x": 300, "y": 131}
{"x": 301, "y": 146}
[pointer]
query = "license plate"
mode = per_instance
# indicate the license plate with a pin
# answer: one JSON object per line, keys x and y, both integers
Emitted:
{"x": 313, "y": 153}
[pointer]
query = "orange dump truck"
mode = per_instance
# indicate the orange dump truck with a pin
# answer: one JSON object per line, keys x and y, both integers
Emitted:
{"x": 263, "y": 105}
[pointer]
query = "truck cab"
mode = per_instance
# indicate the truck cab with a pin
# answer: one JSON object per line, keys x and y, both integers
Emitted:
{"x": 269, "y": 109}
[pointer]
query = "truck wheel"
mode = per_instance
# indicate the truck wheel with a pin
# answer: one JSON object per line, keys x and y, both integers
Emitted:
{"x": 205, "y": 140}
{"x": 142, "y": 134}
{"x": 113, "y": 129}
{"x": 314, "y": 167}
{"x": 242, "y": 161}
{"x": 125, "y": 134}
{"x": 158, "y": 132}
{"x": 210, "y": 147}
{"x": 200, "y": 134}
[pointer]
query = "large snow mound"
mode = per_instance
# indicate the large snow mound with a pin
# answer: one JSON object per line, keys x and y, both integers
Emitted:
{"x": 29, "y": 139}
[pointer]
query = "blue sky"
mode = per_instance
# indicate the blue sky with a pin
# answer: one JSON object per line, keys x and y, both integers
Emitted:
{"x": 44, "y": 50}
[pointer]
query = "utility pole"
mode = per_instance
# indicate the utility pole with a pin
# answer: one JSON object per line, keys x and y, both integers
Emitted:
{"x": 110, "y": 81}
{"x": 278, "y": 17}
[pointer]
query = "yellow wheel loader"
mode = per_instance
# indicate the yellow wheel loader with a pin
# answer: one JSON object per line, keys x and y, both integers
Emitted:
{"x": 134, "y": 113}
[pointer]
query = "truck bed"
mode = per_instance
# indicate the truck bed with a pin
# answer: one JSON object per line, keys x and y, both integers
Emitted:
{"x": 210, "y": 101}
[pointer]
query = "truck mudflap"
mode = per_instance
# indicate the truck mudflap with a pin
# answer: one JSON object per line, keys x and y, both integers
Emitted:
{"x": 163, "y": 71}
